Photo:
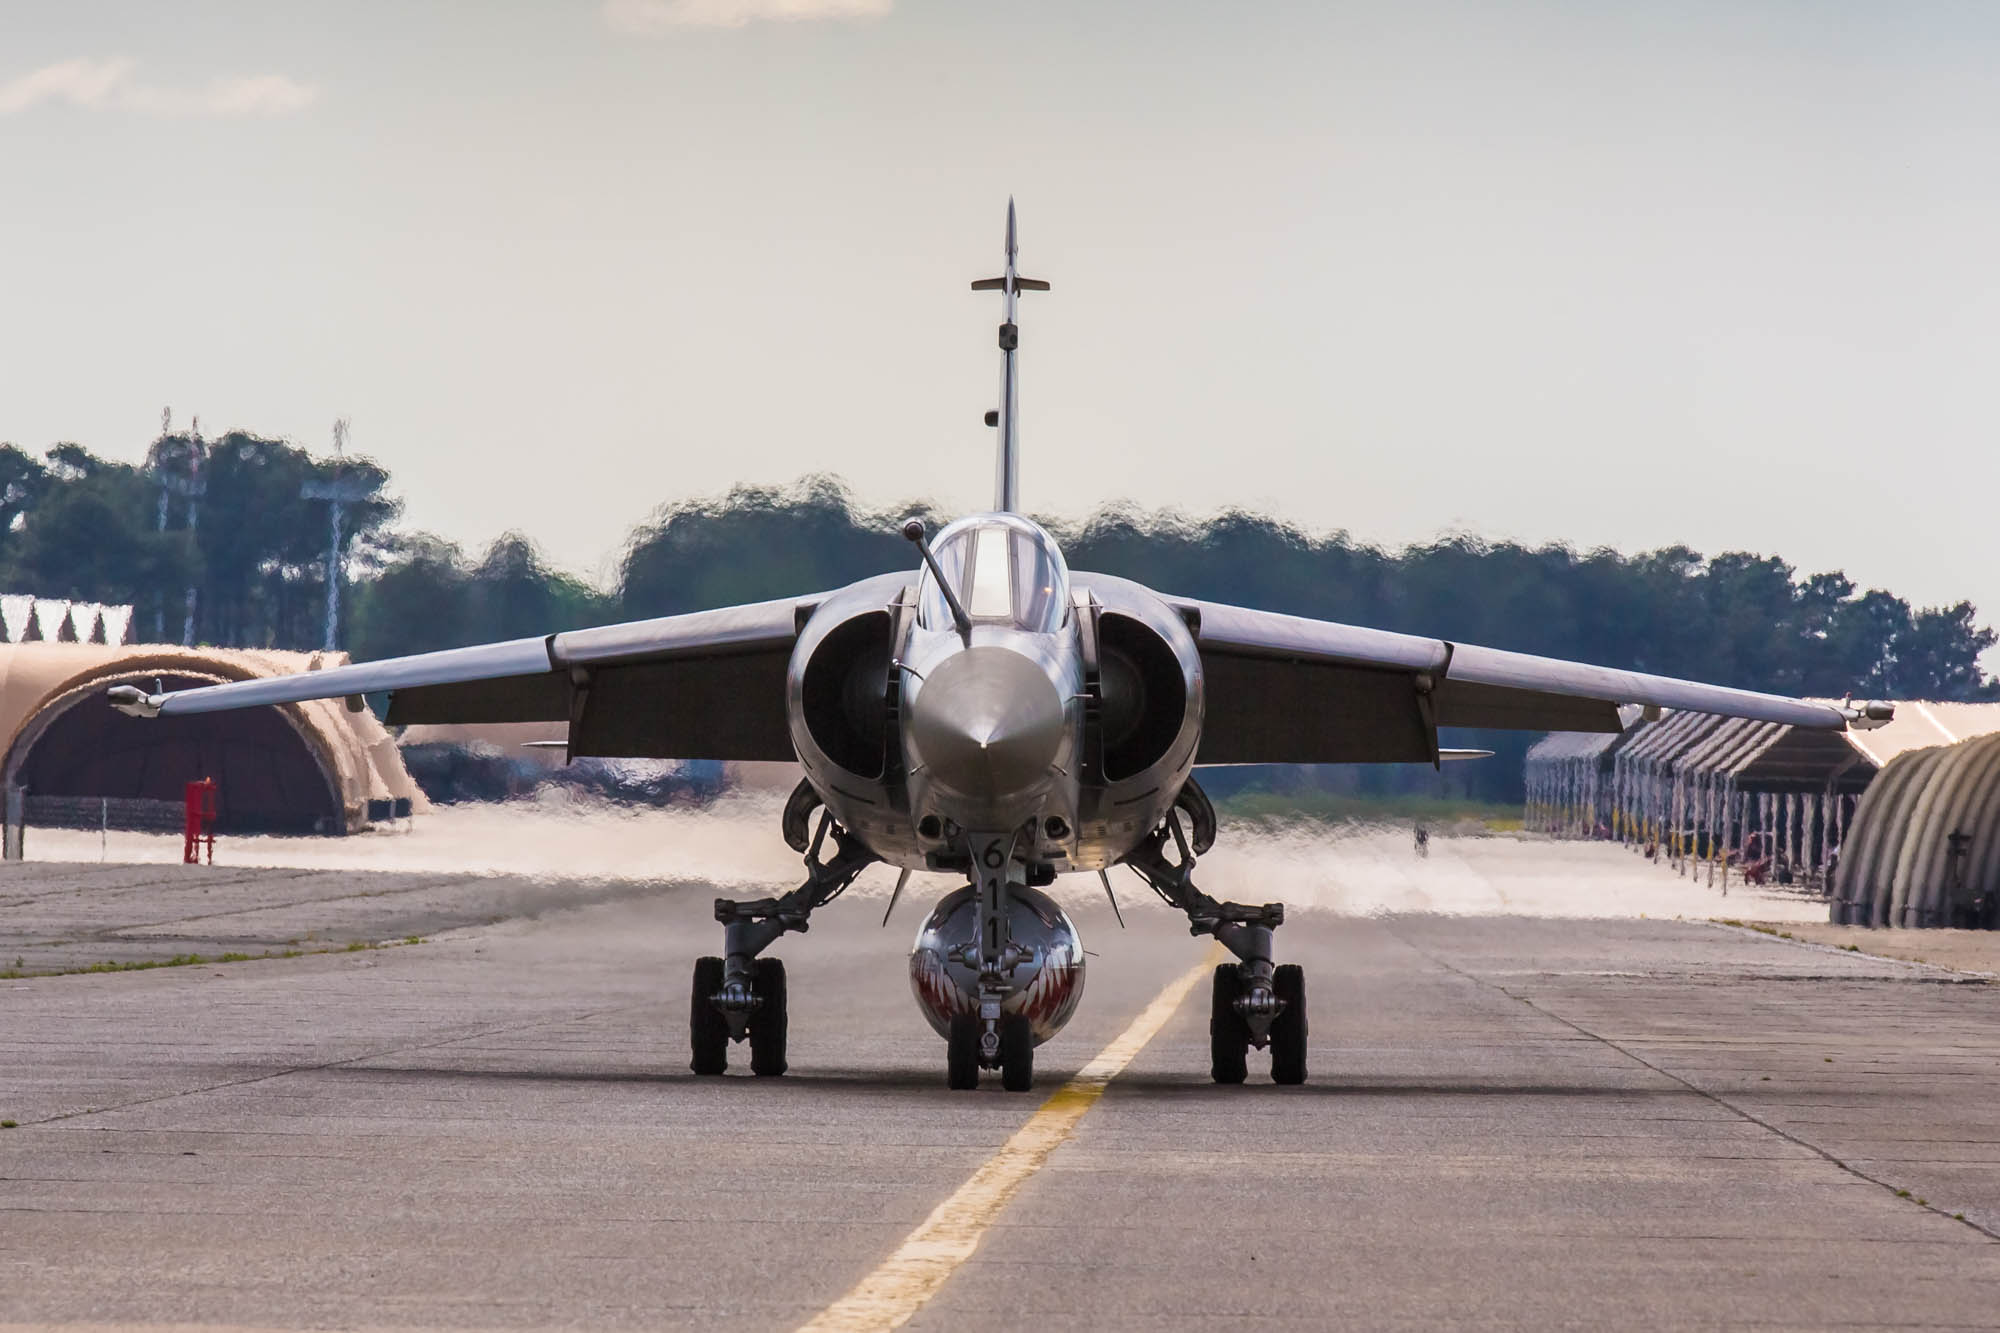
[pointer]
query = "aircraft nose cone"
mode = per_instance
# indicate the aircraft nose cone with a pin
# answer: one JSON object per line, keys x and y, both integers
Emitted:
{"x": 987, "y": 722}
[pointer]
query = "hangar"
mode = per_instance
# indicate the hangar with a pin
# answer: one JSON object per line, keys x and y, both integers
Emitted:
{"x": 1698, "y": 790}
{"x": 1925, "y": 846}
{"x": 301, "y": 768}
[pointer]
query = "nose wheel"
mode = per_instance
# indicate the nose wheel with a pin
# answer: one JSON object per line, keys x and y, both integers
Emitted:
{"x": 1015, "y": 1054}
{"x": 961, "y": 1054}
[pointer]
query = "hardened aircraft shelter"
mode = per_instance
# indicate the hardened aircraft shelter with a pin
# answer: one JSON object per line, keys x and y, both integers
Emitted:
{"x": 1767, "y": 799}
{"x": 302, "y": 768}
{"x": 1924, "y": 849}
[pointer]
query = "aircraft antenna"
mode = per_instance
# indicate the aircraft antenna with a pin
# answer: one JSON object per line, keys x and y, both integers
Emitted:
{"x": 1010, "y": 284}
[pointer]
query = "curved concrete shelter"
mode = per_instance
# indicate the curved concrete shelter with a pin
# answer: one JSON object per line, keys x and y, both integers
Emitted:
{"x": 1783, "y": 799}
{"x": 299, "y": 768}
{"x": 1925, "y": 845}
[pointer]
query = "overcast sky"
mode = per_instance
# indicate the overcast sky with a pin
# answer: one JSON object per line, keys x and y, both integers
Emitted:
{"x": 1626, "y": 274}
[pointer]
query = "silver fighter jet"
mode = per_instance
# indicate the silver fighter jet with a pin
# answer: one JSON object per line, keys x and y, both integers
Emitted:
{"x": 992, "y": 713}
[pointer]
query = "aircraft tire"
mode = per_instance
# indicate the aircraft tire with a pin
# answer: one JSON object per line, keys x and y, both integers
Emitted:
{"x": 1288, "y": 1029}
{"x": 961, "y": 1058}
{"x": 1017, "y": 1054}
{"x": 708, "y": 1031}
{"x": 767, "y": 1020}
{"x": 1228, "y": 1034}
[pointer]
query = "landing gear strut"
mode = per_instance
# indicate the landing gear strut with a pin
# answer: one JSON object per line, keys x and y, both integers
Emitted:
{"x": 741, "y": 996}
{"x": 988, "y": 1038}
{"x": 1255, "y": 1002}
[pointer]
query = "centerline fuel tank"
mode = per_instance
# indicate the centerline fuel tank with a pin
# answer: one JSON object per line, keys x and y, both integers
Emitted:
{"x": 1046, "y": 988}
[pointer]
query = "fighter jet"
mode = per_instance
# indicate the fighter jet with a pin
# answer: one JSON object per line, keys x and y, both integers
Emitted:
{"x": 991, "y": 713}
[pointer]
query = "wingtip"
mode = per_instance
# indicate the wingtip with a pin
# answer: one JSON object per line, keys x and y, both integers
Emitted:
{"x": 133, "y": 701}
{"x": 1867, "y": 716}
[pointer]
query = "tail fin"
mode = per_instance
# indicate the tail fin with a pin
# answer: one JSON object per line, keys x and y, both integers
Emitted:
{"x": 1007, "y": 474}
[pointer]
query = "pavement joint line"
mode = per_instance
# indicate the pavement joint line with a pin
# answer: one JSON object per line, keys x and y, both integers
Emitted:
{"x": 1705, "y": 1093}
{"x": 918, "y": 1268}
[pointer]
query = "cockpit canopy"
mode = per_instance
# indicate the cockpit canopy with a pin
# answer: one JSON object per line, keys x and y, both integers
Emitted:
{"x": 1005, "y": 569}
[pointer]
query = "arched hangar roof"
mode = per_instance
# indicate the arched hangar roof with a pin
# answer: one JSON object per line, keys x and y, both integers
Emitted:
{"x": 1767, "y": 756}
{"x": 298, "y": 767}
{"x": 1571, "y": 746}
{"x": 1924, "y": 845}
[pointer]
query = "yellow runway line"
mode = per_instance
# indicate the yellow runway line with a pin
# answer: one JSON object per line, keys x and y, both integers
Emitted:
{"x": 887, "y": 1297}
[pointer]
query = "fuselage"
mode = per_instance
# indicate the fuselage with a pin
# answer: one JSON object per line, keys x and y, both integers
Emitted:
{"x": 1065, "y": 710}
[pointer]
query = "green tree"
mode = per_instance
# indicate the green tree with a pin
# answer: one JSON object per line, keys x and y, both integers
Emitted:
{"x": 263, "y": 544}
{"x": 23, "y": 482}
{"x": 92, "y": 536}
{"x": 1937, "y": 655}
{"x": 418, "y": 602}
{"x": 757, "y": 543}
{"x": 427, "y": 595}
{"x": 517, "y": 595}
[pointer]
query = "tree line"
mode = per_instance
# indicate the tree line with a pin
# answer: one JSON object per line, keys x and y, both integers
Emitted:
{"x": 1733, "y": 619}
{"x": 208, "y": 541}
{"x": 218, "y": 539}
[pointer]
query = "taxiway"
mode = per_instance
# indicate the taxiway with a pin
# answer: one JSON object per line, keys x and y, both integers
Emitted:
{"x": 1511, "y": 1122}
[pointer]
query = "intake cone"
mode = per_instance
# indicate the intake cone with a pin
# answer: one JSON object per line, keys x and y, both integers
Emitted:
{"x": 987, "y": 723}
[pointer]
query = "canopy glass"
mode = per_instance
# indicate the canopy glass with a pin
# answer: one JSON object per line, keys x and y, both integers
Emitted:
{"x": 1005, "y": 569}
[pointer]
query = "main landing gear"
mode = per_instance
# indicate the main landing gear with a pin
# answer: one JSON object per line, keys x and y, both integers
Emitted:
{"x": 1254, "y": 1002}
{"x": 741, "y": 996}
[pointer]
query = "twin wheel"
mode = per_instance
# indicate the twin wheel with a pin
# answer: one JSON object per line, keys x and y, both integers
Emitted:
{"x": 1015, "y": 1055}
{"x": 1230, "y": 1037}
{"x": 708, "y": 1030}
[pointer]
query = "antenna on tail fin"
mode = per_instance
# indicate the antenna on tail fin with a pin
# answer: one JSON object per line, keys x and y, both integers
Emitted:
{"x": 1007, "y": 474}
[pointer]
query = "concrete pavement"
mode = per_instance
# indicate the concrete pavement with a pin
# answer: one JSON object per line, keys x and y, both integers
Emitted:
{"x": 1511, "y": 1122}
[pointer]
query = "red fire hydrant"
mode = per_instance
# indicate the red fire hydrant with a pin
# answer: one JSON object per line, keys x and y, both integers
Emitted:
{"x": 200, "y": 799}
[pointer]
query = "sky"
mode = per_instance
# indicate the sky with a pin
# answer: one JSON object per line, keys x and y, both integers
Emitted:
{"x": 1617, "y": 274}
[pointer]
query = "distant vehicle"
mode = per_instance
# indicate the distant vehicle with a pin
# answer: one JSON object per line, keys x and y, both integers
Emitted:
{"x": 993, "y": 714}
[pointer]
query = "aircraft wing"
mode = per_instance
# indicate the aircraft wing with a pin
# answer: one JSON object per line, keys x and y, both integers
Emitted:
{"x": 705, "y": 685}
{"x": 1284, "y": 689}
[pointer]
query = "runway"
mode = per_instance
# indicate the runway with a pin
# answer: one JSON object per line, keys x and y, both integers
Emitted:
{"x": 1510, "y": 1122}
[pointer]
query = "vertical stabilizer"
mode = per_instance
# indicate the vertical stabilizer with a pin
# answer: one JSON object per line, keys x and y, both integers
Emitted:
{"x": 1007, "y": 466}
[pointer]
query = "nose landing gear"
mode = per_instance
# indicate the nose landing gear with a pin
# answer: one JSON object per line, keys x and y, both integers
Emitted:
{"x": 989, "y": 1037}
